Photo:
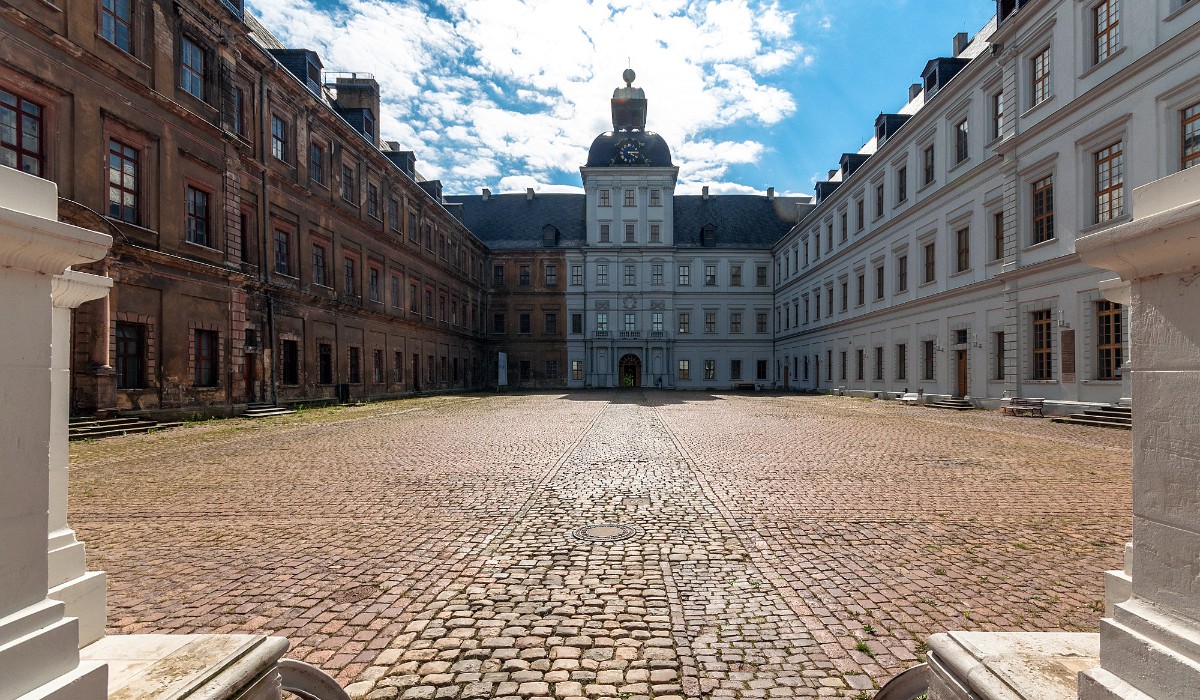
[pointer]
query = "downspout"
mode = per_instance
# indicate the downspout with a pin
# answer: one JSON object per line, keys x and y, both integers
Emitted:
{"x": 269, "y": 341}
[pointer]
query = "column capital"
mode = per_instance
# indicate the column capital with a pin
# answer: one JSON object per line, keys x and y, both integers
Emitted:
{"x": 72, "y": 288}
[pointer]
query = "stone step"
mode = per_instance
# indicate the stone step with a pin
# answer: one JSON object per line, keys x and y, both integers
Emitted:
{"x": 92, "y": 429}
{"x": 952, "y": 405}
{"x": 265, "y": 410}
{"x": 1081, "y": 419}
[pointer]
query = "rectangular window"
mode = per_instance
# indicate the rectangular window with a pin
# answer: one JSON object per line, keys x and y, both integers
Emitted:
{"x": 1190, "y": 145}
{"x": 685, "y": 275}
{"x": 878, "y": 202}
{"x": 124, "y": 181}
{"x": 842, "y": 365}
{"x": 604, "y": 233}
{"x": 191, "y": 68}
{"x": 602, "y": 273}
{"x": 656, "y": 322}
{"x": 498, "y": 323}
{"x": 829, "y": 364}
{"x": 576, "y": 323}
{"x": 395, "y": 292}
{"x": 1106, "y": 17}
{"x": 373, "y": 284}
{"x": 902, "y": 273}
{"x": 1110, "y": 182}
{"x": 524, "y": 324}
{"x": 577, "y": 274}
{"x": 735, "y": 322}
{"x": 398, "y": 367}
{"x": 602, "y": 321}
{"x": 604, "y": 201}
{"x": 577, "y": 370}
{"x": 710, "y": 275}
{"x": 845, "y": 227}
{"x": 324, "y": 363}
{"x": 413, "y": 231}
{"x": 879, "y": 363}
{"x": 901, "y": 361}
{"x": 859, "y": 368}
{"x": 630, "y": 272}
{"x": 761, "y": 371}
{"x": 316, "y": 163}
{"x": 629, "y": 201}
{"x": 523, "y": 275}
{"x": 372, "y": 201}
{"x": 394, "y": 214}
{"x": 497, "y": 275}
{"x": 961, "y": 142}
{"x": 1043, "y": 209}
{"x": 710, "y": 321}
{"x": 735, "y": 370}
{"x": 131, "y": 355}
{"x": 998, "y": 235}
{"x": 735, "y": 275}
{"x": 927, "y": 359}
{"x": 829, "y": 300}
{"x": 551, "y": 275}
{"x": 204, "y": 359}
{"x": 760, "y": 322}
{"x": 116, "y": 23}
{"x": 656, "y": 198}
{"x": 859, "y": 215}
{"x": 656, "y": 273}
{"x": 279, "y": 138}
{"x": 21, "y": 137}
{"x": 879, "y": 282}
{"x": 319, "y": 274}
{"x": 630, "y": 322}
{"x": 349, "y": 277}
{"x": 348, "y": 183}
{"x": 929, "y": 165}
{"x": 1040, "y": 88}
{"x": 760, "y": 276}
{"x": 901, "y": 184}
{"x": 656, "y": 233}
{"x": 861, "y": 289}
{"x": 630, "y": 233}
{"x": 998, "y": 355}
{"x": 197, "y": 217}
{"x": 710, "y": 369}
{"x": 289, "y": 356}
{"x": 1043, "y": 341}
{"x": 1108, "y": 340}
{"x": 997, "y": 115}
{"x": 845, "y": 296}
{"x": 551, "y": 369}
{"x": 413, "y": 303}
{"x": 685, "y": 322}
{"x": 685, "y": 371}
{"x": 962, "y": 241}
{"x": 283, "y": 252}
{"x": 355, "y": 366}
{"x": 551, "y": 324}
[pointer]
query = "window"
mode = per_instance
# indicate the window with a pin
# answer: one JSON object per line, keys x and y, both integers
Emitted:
{"x": 413, "y": 307}
{"x": 394, "y": 214}
{"x": 629, "y": 201}
{"x": 348, "y": 182}
{"x": 577, "y": 370}
{"x": 283, "y": 252}
{"x": 316, "y": 163}
{"x": 929, "y": 165}
{"x": 878, "y": 202}
{"x": 497, "y": 275}
{"x": 191, "y": 68}
{"x": 845, "y": 229}
{"x": 279, "y": 138}
{"x": 1042, "y": 344}
{"x": 1105, "y": 19}
{"x": 901, "y": 184}
{"x": 602, "y": 321}
{"x": 412, "y": 229}
{"x": 710, "y": 321}
{"x": 324, "y": 363}
{"x": 123, "y": 182}
{"x": 204, "y": 358}
{"x": 355, "y": 366}
{"x": 927, "y": 350}
{"x": 1043, "y": 209}
{"x": 373, "y": 284}
{"x": 760, "y": 322}
{"x": 685, "y": 275}
{"x": 116, "y": 23}
{"x": 829, "y": 300}
{"x": 879, "y": 363}
{"x": 710, "y": 275}
{"x": 735, "y": 276}
{"x": 829, "y": 237}
{"x": 997, "y": 115}
{"x": 859, "y": 368}
{"x": 551, "y": 324}
{"x": 630, "y": 274}
{"x": 685, "y": 322}
{"x": 861, "y": 289}
{"x": 197, "y": 217}
{"x": 998, "y": 235}
{"x": 735, "y": 370}
{"x": 998, "y": 355}
{"x": 710, "y": 369}
{"x": 21, "y": 135}
{"x": 602, "y": 273}
{"x": 551, "y": 275}
{"x": 901, "y": 361}
{"x": 1108, "y": 340}
{"x": 962, "y": 241}
{"x": 131, "y": 355}
{"x": 845, "y": 295}
{"x": 879, "y": 282}
{"x": 498, "y": 323}
{"x": 735, "y": 322}
{"x": 685, "y": 371}
{"x": 902, "y": 273}
{"x": 551, "y": 369}
{"x": 395, "y": 290}
{"x": 656, "y": 273}
{"x": 656, "y": 233}
{"x": 604, "y": 233}
{"x": 1191, "y": 136}
{"x": 630, "y": 322}
{"x": 961, "y": 149}
{"x": 523, "y": 276}
{"x": 656, "y": 322}
{"x": 372, "y": 201}
{"x": 1110, "y": 183}
{"x": 630, "y": 233}
{"x": 398, "y": 367}
{"x": 576, "y": 323}
{"x": 859, "y": 215}
{"x": 656, "y": 198}
{"x": 1040, "y": 88}
{"x": 289, "y": 356}
{"x": 829, "y": 364}
{"x": 604, "y": 198}
{"x": 760, "y": 276}
{"x": 842, "y": 365}
{"x": 524, "y": 324}
{"x": 442, "y": 308}
{"x": 349, "y": 277}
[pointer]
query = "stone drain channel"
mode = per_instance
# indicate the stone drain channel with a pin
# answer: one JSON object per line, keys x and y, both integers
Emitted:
{"x": 620, "y": 578}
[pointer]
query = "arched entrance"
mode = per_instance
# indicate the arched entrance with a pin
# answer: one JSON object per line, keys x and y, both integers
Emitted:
{"x": 631, "y": 370}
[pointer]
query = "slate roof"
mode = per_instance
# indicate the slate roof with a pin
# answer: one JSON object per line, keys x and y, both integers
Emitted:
{"x": 512, "y": 221}
{"x": 741, "y": 221}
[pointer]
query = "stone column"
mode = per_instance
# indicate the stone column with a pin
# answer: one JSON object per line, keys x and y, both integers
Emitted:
{"x": 1149, "y": 646}
{"x": 82, "y": 592}
{"x": 39, "y": 655}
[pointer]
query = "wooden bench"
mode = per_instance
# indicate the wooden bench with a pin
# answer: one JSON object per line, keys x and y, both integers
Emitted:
{"x": 909, "y": 399}
{"x": 1027, "y": 407}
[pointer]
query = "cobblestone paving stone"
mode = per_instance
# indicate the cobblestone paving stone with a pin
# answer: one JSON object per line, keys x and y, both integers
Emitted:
{"x": 785, "y": 546}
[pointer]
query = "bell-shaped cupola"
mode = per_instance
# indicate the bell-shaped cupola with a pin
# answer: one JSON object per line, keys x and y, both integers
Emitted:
{"x": 629, "y": 143}
{"x": 629, "y": 105}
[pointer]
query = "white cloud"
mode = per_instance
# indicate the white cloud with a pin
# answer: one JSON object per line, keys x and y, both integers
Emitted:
{"x": 483, "y": 87}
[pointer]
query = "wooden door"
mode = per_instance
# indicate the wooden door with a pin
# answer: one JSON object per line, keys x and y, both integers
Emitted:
{"x": 962, "y": 372}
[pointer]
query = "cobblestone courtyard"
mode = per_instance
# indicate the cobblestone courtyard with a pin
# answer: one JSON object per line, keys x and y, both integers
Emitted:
{"x": 785, "y": 546}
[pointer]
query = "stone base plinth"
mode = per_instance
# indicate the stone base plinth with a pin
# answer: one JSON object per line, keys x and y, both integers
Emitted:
{"x": 1009, "y": 665}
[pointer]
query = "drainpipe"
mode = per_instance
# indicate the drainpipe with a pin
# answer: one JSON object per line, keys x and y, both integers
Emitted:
{"x": 269, "y": 344}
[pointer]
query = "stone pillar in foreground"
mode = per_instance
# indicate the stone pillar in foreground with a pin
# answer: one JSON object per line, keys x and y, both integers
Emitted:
{"x": 39, "y": 643}
{"x": 1150, "y": 646}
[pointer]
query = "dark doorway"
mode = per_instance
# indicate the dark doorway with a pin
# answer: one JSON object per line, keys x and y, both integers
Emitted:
{"x": 961, "y": 360}
{"x": 631, "y": 371}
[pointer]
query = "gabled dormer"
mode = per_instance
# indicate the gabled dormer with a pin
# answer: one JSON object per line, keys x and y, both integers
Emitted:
{"x": 826, "y": 188}
{"x": 303, "y": 64}
{"x": 888, "y": 124}
{"x": 851, "y": 162}
{"x": 940, "y": 71}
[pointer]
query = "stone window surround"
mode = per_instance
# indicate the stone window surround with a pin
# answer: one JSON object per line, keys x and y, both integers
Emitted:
{"x": 151, "y": 338}
{"x": 194, "y": 326}
{"x": 1025, "y": 339}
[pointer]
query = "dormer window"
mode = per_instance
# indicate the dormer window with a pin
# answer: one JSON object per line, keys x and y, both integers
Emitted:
{"x": 368, "y": 124}
{"x": 708, "y": 236}
{"x": 549, "y": 236}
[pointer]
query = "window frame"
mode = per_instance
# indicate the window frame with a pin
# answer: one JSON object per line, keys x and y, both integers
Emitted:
{"x": 1106, "y": 30}
{"x": 198, "y": 229}
{"x": 1189, "y": 126}
{"x": 1042, "y": 210}
{"x": 191, "y": 80}
{"x": 1109, "y": 188}
{"x": 1110, "y": 348}
{"x": 206, "y": 358}
{"x": 128, "y": 157}
{"x": 22, "y": 110}
{"x": 102, "y": 30}
{"x": 1041, "y": 344}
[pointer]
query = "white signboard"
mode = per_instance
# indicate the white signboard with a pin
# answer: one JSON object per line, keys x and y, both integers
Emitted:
{"x": 502, "y": 369}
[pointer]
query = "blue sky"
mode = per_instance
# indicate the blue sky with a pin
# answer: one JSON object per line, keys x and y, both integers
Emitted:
{"x": 508, "y": 94}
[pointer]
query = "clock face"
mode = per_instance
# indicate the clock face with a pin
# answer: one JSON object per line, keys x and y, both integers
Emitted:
{"x": 629, "y": 152}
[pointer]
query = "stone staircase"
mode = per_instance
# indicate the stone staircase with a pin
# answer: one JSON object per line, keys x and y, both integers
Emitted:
{"x": 265, "y": 410}
{"x": 1119, "y": 417}
{"x": 91, "y": 428}
{"x": 952, "y": 404}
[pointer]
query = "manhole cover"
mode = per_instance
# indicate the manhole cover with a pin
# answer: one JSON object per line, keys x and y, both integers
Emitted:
{"x": 353, "y": 595}
{"x": 604, "y": 532}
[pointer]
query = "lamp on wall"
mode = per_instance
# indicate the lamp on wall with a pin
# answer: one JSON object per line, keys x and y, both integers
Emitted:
{"x": 975, "y": 343}
{"x": 1062, "y": 321}
{"x": 937, "y": 347}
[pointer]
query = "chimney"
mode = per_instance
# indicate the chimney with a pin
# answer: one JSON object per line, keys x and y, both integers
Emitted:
{"x": 705, "y": 191}
{"x": 358, "y": 92}
{"x": 529, "y": 194}
{"x": 960, "y": 43}
{"x": 770, "y": 194}
{"x": 391, "y": 146}
{"x": 487, "y": 194}
{"x": 913, "y": 91}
